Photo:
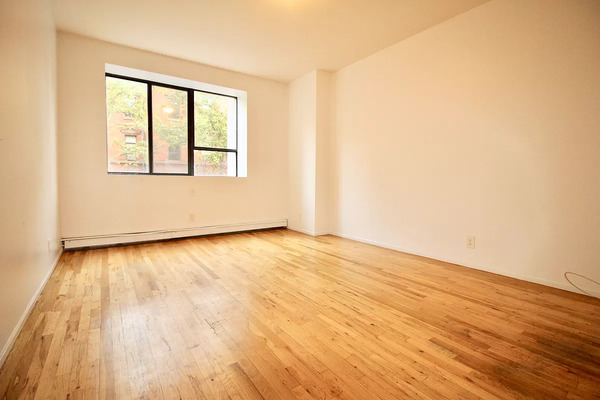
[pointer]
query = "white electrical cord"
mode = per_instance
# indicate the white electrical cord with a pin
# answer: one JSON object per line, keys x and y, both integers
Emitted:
{"x": 577, "y": 287}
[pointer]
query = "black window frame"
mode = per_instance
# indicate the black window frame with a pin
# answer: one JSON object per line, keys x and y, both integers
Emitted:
{"x": 191, "y": 143}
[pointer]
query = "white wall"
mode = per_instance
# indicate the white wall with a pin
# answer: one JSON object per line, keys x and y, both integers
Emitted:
{"x": 29, "y": 201}
{"x": 310, "y": 175}
{"x": 485, "y": 125}
{"x": 94, "y": 203}
{"x": 302, "y": 153}
{"x": 324, "y": 147}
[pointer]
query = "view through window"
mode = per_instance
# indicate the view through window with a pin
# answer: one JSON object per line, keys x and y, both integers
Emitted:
{"x": 159, "y": 129}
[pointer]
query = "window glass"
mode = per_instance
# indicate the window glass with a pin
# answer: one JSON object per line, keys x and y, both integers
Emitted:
{"x": 214, "y": 163}
{"x": 170, "y": 130}
{"x": 127, "y": 125}
{"x": 215, "y": 120}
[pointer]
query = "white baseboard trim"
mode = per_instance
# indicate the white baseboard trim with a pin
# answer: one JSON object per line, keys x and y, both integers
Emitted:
{"x": 301, "y": 230}
{"x": 306, "y": 231}
{"x": 527, "y": 278}
{"x": 322, "y": 233}
{"x": 15, "y": 333}
{"x": 133, "y": 237}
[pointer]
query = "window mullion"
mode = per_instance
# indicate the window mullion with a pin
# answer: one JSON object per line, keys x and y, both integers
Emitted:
{"x": 236, "y": 136}
{"x": 191, "y": 129}
{"x": 150, "y": 132}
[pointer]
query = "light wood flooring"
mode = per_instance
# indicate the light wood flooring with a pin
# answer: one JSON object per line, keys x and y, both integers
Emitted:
{"x": 282, "y": 315}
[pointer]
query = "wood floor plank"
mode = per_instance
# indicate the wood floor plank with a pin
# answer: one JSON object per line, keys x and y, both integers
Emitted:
{"x": 282, "y": 315}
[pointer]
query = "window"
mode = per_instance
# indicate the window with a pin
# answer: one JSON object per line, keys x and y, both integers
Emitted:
{"x": 175, "y": 152}
{"x": 170, "y": 130}
{"x": 160, "y": 128}
{"x": 130, "y": 139}
{"x": 127, "y": 119}
{"x": 215, "y": 139}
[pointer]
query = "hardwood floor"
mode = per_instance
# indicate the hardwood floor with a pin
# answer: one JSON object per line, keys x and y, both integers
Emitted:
{"x": 282, "y": 315}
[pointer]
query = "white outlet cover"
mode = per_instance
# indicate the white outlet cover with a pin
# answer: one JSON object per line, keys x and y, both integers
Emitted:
{"x": 471, "y": 242}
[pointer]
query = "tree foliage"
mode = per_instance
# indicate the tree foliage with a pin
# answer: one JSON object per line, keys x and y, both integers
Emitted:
{"x": 210, "y": 121}
{"x": 130, "y": 99}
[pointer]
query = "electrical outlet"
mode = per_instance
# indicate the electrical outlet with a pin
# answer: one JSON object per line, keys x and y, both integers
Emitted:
{"x": 470, "y": 242}
{"x": 49, "y": 245}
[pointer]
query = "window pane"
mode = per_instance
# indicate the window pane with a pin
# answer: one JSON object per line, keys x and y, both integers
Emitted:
{"x": 127, "y": 125}
{"x": 169, "y": 129}
{"x": 215, "y": 120}
{"x": 214, "y": 163}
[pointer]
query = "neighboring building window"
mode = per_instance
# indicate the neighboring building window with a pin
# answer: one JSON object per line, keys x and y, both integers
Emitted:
{"x": 175, "y": 153}
{"x": 157, "y": 128}
{"x": 130, "y": 139}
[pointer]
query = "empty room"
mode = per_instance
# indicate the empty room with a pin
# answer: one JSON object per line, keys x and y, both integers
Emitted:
{"x": 300, "y": 199}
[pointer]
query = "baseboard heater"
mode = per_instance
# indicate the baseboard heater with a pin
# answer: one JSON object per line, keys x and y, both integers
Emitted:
{"x": 76, "y": 242}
